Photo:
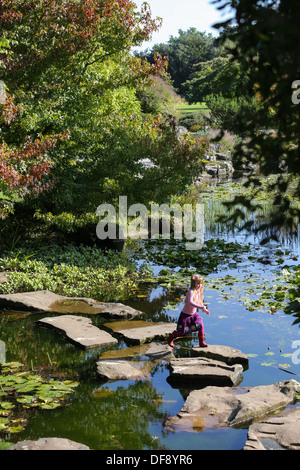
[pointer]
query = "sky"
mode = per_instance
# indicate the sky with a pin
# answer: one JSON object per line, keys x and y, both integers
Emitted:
{"x": 182, "y": 14}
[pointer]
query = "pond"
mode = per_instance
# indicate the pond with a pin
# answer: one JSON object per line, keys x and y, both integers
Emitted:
{"x": 131, "y": 415}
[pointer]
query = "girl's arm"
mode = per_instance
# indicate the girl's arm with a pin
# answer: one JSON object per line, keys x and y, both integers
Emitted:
{"x": 191, "y": 302}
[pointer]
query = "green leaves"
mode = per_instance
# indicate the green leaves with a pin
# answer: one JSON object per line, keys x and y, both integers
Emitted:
{"x": 26, "y": 390}
{"x": 65, "y": 66}
{"x": 215, "y": 252}
{"x": 71, "y": 271}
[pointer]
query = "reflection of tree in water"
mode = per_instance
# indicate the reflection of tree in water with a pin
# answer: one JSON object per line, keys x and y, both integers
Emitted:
{"x": 107, "y": 419}
{"x": 154, "y": 307}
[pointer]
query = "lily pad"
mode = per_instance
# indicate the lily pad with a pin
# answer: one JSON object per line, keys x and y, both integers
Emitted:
{"x": 49, "y": 406}
{"x": 4, "y": 423}
{"x": 28, "y": 390}
{"x": 6, "y": 405}
{"x": 14, "y": 429}
{"x": 26, "y": 399}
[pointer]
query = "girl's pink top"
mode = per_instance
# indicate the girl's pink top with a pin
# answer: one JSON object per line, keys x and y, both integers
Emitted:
{"x": 190, "y": 305}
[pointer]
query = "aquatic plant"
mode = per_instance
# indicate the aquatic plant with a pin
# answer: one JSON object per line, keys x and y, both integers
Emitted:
{"x": 21, "y": 390}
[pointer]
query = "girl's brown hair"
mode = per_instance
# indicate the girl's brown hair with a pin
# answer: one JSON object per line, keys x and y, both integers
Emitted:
{"x": 196, "y": 279}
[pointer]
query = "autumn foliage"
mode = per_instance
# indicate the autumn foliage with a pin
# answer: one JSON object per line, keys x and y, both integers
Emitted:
{"x": 46, "y": 48}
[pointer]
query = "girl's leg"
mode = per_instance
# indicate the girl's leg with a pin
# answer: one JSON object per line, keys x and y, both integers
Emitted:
{"x": 202, "y": 343}
{"x": 172, "y": 336}
{"x": 200, "y": 328}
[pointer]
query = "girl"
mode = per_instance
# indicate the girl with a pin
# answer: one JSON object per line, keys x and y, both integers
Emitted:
{"x": 189, "y": 320}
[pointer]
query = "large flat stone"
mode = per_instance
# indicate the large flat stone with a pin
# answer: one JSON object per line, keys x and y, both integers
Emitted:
{"x": 159, "y": 351}
{"x": 276, "y": 432}
{"x": 139, "y": 332}
{"x": 203, "y": 371}
{"x": 48, "y": 443}
{"x": 79, "y": 330}
{"x": 235, "y": 406}
{"x": 133, "y": 362}
{"x": 119, "y": 370}
{"x": 155, "y": 351}
{"x": 47, "y": 301}
{"x": 222, "y": 353}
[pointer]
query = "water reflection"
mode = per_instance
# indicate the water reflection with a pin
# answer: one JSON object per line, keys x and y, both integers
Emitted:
{"x": 215, "y": 210}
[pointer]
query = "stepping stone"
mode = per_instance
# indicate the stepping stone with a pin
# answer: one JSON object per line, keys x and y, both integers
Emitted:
{"x": 154, "y": 351}
{"x": 204, "y": 371}
{"x": 159, "y": 352}
{"x": 47, "y": 301}
{"x": 139, "y": 332}
{"x": 119, "y": 370}
{"x": 279, "y": 432}
{"x": 79, "y": 330}
{"x": 222, "y": 353}
{"x": 48, "y": 443}
{"x": 235, "y": 407}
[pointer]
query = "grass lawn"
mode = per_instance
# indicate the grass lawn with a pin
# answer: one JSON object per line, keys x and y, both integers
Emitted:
{"x": 185, "y": 108}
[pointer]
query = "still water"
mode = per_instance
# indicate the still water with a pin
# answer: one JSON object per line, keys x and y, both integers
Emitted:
{"x": 131, "y": 415}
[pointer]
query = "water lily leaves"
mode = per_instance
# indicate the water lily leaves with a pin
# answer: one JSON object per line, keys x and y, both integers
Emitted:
{"x": 24, "y": 388}
{"x": 49, "y": 406}
{"x": 14, "y": 429}
{"x": 284, "y": 366}
{"x": 25, "y": 400}
{"x": 6, "y": 405}
{"x": 173, "y": 253}
{"x": 28, "y": 390}
{"x": 4, "y": 422}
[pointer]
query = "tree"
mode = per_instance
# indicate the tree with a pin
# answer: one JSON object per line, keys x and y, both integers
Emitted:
{"x": 184, "y": 52}
{"x": 266, "y": 52}
{"x": 69, "y": 72}
{"x": 266, "y": 38}
{"x": 218, "y": 83}
{"x": 47, "y": 49}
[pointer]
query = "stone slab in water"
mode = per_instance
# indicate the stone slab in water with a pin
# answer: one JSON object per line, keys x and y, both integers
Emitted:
{"x": 204, "y": 371}
{"x": 139, "y": 332}
{"x": 159, "y": 351}
{"x": 276, "y": 432}
{"x": 119, "y": 370}
{"x": 222, "y": 353}
{"x": 47, "y": 301}
{"x": 235, "y": 406}
{"x": 79, "y": 330}
{"x": 48, "y": 443}
{"x": 116, "y": 364}
{"x": 154, "y": 351}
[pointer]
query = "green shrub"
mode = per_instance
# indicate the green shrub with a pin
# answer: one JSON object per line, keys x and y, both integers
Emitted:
{"x": 69, "y": 270}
